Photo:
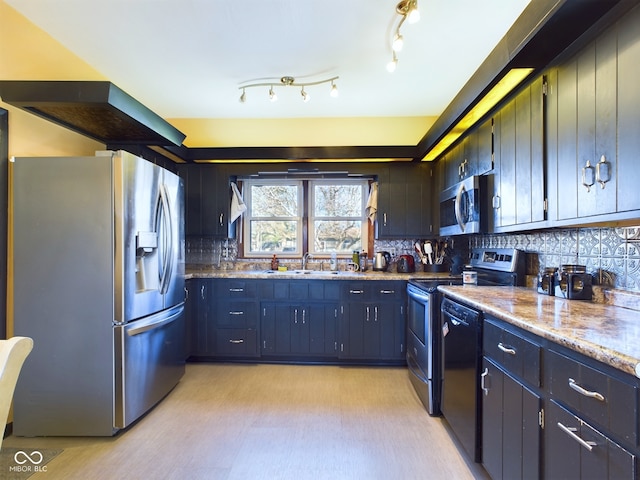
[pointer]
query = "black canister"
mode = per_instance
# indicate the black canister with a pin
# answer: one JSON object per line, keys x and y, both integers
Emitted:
{"x": 573, "y": 282}
{"x": 547, "y": 281}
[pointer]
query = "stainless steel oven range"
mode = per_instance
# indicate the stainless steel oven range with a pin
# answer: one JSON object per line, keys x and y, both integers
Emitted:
{"x": 442, "y": 353}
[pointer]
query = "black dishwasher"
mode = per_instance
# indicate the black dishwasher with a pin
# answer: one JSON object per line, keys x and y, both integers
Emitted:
{"x": 461, "y": 328}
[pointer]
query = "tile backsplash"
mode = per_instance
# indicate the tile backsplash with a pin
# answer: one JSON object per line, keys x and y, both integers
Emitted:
{"x": 611, "y": 255}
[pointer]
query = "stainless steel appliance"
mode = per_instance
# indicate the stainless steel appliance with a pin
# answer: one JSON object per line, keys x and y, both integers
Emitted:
{"x": 98, "y": 283}
{"x": 425, "y": 341}
{"x": 464, "y": 206}
{"x": 381, "y": 261}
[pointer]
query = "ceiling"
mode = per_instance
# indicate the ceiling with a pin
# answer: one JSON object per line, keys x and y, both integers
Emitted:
{"x": 185, "y": 59}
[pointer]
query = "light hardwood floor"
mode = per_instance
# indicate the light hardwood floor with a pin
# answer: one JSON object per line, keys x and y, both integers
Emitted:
{"x": 298, "y": 422}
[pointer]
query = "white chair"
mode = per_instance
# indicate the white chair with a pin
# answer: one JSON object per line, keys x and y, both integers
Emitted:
{"x": 13, "y": 353}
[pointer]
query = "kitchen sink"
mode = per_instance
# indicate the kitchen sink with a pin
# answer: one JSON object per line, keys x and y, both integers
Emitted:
{"x": 303, "y": 272}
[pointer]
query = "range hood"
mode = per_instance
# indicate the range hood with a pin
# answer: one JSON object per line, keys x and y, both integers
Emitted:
{"x": 97, "y": 109}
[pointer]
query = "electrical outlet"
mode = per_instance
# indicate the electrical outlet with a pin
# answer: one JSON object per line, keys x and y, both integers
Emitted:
{"x": 392, "y": 252}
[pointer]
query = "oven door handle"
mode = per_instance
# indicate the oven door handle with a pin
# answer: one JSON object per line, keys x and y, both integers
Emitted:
{"x": 420, "y": 297}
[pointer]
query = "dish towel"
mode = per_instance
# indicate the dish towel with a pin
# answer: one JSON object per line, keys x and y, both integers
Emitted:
{"x": 372, "y": 203}
{"x": 238, "y": 207}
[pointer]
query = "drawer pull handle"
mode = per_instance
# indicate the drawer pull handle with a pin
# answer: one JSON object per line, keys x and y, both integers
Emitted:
{"x": 236, "y": 289}
{"x": 505, "y": 349}
{"x": 236, "y": 313}
{"x": 236, "y": 341}
{"x": 571, "y": 432}
{"x": 387, "y": 292}
{"x": 583, "y": 391}
{"x": 356, "y": 292}
{"x": 483, "y": 381}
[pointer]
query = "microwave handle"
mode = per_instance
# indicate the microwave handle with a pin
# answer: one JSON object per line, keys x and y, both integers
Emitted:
{"x": 457, "y": 204}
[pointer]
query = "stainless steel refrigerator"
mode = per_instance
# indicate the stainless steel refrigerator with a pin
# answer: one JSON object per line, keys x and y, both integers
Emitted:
{"x": 98, "y": 283}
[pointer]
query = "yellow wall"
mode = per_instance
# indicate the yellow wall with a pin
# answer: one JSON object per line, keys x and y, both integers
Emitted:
{"x": 34, "y": 55}
{"x": 301, "y": 132}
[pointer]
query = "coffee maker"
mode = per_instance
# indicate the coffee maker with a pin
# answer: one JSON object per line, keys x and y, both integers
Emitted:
{"x": 573, "y": 282}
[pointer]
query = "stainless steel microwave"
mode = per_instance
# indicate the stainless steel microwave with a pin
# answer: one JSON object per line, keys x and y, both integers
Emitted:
{"x": 464, "y": 207}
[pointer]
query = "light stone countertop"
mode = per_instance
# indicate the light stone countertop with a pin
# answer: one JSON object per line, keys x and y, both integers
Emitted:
{"x": 195, "y": 272}
{"x": 606, "y": 333}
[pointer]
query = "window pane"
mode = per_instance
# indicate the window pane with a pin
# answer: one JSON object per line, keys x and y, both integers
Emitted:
{"x": 274, "y": 200}
{"x": 273, "y": 236}
{"x": 343, "y": 236}
{"x": 338, "y": 200}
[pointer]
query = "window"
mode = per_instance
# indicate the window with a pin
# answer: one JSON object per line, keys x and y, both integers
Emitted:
{"x": 289, "y": 217}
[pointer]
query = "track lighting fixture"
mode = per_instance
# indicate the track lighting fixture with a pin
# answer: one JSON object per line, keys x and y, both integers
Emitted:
{"x": 408, "y": 10}
{"x": 288, "y": 81}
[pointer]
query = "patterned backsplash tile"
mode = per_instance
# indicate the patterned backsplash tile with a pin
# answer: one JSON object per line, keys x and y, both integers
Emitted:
{"x": 611, "y": 255}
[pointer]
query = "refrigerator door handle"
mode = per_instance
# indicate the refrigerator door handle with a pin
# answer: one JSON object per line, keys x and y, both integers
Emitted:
{"x": 165, "y": 228}
{"x": 155, "y": 321}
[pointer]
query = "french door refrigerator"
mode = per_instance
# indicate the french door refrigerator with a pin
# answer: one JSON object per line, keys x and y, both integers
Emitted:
{"x": 98, "y": 283}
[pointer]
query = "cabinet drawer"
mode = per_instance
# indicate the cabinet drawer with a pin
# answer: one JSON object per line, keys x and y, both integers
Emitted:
{"x": 518, "y": 355}
{"x": 235, "y": 288}
{"x": 236, "y": 341}
{"x": 607, "y": 401}
{"x": 374, "y": 290}
{"x": 236, "y": 314}
{"x": 388, "y": 290}
{"x": 575, "y": 449}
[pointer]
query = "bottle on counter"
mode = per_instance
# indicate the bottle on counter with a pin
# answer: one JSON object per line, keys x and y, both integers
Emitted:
{"x": 275, "y": 263}
{"x": 355, "y": 258}
{"x": 333, "y": 262}
{"x": 363, "y": 262}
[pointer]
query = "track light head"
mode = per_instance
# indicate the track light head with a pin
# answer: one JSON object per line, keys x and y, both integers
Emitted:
{"x": 334, "y": 90}
{"x": 305, "y": 96}
{"x": 398, "y": 42}
{"x": 243, "y": 97}
{"x": 272, "y": 95}
{"x": 391, "y": 66}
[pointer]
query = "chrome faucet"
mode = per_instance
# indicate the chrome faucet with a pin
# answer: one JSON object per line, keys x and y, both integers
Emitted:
{"x": 305, "y": 259}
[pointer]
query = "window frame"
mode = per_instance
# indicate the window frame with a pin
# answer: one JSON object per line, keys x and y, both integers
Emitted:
{"x": 305, "y": 219}
{"x": 364, "y": 230}
{"x": 247, "y": 218}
